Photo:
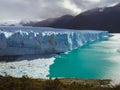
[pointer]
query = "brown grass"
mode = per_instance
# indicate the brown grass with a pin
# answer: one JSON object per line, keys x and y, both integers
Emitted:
{"x": 25, "y": 83}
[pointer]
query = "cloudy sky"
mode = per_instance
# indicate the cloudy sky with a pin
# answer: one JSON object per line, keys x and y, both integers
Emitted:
{"x": 17, "y": 10}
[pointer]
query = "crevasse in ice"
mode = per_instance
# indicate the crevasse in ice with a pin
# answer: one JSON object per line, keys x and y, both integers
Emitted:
{"x": 39, "y": 40}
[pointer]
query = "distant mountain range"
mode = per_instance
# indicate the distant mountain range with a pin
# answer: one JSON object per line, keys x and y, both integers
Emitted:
{"x": 107, "y": 18}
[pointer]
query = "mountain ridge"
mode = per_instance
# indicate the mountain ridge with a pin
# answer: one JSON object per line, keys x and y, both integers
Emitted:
{"x": 107, "y": 18}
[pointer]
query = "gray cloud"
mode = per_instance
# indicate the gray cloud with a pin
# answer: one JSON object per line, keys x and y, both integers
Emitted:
{"x": 90, "y": 4}
{"x": 17, "y": 10}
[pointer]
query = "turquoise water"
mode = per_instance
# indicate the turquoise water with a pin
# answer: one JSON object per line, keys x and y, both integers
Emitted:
{"x": 99, "y": 60}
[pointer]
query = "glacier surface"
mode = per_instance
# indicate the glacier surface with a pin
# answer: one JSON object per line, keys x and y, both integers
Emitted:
{"x": 39, "y": 40}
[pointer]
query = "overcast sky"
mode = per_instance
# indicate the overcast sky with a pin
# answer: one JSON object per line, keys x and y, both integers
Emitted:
{"x": 17, "y": 10}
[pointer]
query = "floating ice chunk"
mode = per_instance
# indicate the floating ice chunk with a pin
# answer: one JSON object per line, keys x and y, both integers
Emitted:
{"x": 35, "y": 68}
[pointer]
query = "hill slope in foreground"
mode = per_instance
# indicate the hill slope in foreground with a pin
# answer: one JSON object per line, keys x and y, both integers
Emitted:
{"x": 25, "y": 83}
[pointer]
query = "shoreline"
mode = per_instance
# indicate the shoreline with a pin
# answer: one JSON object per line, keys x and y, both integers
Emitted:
{"x": 26, "y": 83}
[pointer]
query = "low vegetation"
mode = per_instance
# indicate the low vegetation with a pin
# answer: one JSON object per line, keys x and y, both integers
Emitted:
{"x": 26, "y": 83}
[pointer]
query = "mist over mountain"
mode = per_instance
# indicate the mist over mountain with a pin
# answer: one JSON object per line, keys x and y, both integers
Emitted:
{"x": 107, "y": 18}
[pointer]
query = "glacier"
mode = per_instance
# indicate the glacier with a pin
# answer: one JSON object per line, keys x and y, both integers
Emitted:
{"x": 38, "y": 40}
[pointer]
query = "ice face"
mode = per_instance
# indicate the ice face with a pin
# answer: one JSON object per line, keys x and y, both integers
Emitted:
{"x": 34, "y": 40}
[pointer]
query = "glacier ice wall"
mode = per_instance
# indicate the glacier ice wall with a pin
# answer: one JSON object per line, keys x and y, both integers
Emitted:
{"x": 36, "y": 40}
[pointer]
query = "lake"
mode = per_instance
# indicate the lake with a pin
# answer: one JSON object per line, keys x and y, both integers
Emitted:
{"x": 99, "y": 60}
